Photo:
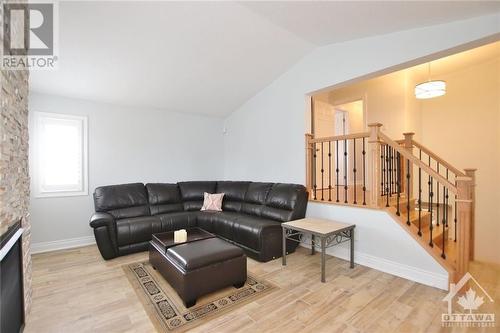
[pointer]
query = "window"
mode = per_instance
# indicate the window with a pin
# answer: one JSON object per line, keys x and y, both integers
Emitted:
{"x": 60, "y": 155}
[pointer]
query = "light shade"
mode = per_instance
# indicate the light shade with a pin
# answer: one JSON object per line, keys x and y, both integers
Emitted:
{"x": 430, "y": 89}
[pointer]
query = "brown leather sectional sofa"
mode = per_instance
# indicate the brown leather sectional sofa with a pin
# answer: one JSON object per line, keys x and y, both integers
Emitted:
{"x": 127, "y": 215}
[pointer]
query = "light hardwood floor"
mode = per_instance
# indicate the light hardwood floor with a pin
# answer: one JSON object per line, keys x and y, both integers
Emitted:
{"x": 77, "y": 291}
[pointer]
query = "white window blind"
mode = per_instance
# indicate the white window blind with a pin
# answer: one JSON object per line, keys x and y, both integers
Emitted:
{"x": 60, "y": 145}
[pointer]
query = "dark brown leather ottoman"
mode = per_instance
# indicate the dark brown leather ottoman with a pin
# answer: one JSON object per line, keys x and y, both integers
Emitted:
{"x": 200, "y": 267}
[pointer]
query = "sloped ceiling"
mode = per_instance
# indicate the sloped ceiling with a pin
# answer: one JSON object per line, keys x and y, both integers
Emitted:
{"x": 210, "y": 57}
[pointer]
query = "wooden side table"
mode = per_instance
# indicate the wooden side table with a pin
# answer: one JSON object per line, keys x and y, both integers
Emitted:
{"x": 328, "y": 232}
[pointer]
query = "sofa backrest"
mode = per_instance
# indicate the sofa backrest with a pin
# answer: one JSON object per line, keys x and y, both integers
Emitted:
{"x": 275, "y": 201}
{"x": 192, "y": 193}
{"x": 122, "y": 201}
{"x": 255, "y": 198}
{"x": 164, "y": 198}
{"x": 234, "y": 194}
{"x": 285, "y": 202}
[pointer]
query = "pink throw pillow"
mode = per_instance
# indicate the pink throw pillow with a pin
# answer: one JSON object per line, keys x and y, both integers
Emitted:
{"x": 212, "y": 201}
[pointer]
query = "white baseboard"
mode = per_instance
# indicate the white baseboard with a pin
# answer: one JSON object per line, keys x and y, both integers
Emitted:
{"x": 391, "y": 267}
{"x": 61, "y": 244}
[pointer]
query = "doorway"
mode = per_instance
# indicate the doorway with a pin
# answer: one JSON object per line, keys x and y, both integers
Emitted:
{"x": 336, "y": 120}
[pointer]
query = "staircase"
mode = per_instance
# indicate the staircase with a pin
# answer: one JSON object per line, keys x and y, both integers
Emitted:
{"x": 430, "y": 198}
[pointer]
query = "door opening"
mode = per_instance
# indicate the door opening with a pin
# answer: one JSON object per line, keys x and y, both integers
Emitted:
{"x": 331, "y": 119}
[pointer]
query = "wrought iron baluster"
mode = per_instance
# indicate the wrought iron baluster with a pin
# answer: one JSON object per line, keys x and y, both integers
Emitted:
{"x": 431, "y": 195}
{"x": 455, "y": 215}
{"x": 364, "y": 173}
{"x": 315, "y": 186}
{"x": 354, "y": 169}
{"x": 387, "y": 191}
{"x": 389, "y": 171}
{"x": 420, "y": 198}
{"x": 443, "y": 224}
{"x": 345, "y": 171}
{"x": 394, "y": 174}
{"x": 398, "y": 160}
{"x": 329, "y": 171}
{"x": 382, "y": 163}
{"x": 393, "y": 163}
{"x": 337, "y": 169}
{"x": 408, "y": 176}
{"x": 322, "y": 175}
{"x": 447, "y": 201}
{"x": 437, "y": 197}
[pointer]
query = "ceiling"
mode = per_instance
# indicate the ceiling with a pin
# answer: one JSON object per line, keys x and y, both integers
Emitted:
{"x": 327, "y": 22}
{"x": 456, "y": 62}
{"x": 439, "y": 68}
{"x": 210, "y": 57}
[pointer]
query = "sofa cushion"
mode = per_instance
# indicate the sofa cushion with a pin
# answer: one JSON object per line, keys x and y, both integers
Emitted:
{"x": 192, "y": 193}
{"x": 207, "y": 220}
{"x": 248, "y": 230}
{"x": 282, "y": 201}
{"x": 177, "y": 220}
{"x": 122, "y": 201}
{"x": 203, "y": 253}
{"x": 223, "y": 225}
{"x": 234, "y": 194}
{"x": 255, "y": 198}
{"x": 137, "y": 229}
{"x": 164, "y": 198}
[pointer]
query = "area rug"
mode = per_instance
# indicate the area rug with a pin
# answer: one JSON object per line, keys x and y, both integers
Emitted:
{"x": 166, "y": 309}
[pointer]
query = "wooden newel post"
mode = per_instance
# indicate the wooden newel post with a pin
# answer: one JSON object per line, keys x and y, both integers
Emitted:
{"x": 408, "y": 146}
{"x": 472, "y": 174}
{"x": 375, "y": 170}
{"x": 464, "y": 219}
{"x": 309, "y": 162}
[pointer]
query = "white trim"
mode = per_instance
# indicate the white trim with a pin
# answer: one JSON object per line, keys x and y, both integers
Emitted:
{"x": 62, "y": 244}
{"x": 83, "y": 191}
{"x": 391, "y": 267}
{"x": 4, "y": 250}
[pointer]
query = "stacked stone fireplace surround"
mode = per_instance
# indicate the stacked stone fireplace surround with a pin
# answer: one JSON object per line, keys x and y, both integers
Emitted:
{"x": 14, "y": 171}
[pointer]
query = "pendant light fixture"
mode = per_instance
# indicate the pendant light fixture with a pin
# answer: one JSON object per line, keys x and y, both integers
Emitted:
{"x": 430, "y": 89}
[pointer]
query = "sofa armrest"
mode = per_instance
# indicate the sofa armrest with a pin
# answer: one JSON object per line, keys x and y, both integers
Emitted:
{"x": 105, "y": 234}
{"x": 101, "y": 220}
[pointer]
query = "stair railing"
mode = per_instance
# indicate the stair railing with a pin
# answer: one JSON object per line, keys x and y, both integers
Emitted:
{"x": 431, "y": 175}
{"x": 369, "y": 169}
{"x": 337, "y": 168}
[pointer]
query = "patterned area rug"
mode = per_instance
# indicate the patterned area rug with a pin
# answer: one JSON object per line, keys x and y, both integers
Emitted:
{"x": 168, "y": 313}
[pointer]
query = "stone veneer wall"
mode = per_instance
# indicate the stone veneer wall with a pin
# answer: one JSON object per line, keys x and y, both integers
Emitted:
{"x": 14, "y": 174}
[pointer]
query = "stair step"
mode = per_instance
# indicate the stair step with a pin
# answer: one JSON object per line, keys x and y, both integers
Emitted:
{"x": 449, "y": 261}
{"x": 403, "y": 205}
{"x": 437, "y": 235}
{"x": 438, "y": 238}
{"x": 393, "y": 202}
{"x": 425, "y": 218}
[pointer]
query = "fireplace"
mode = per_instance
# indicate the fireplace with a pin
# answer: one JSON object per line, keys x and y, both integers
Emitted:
{"x": 11, "y": 280}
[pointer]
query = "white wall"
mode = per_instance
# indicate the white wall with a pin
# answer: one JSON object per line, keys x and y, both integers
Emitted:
{"x": 382, "y": 244}
{"x": 470, "y": 140}
{"x": 125, "y": 145}
{"x": 265, "y": 136}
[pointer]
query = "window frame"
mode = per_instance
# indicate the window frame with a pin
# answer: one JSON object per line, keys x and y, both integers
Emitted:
{"x": 37, "y": 176}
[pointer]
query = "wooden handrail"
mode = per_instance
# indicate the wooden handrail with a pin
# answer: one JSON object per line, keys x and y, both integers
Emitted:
{"x": 341, "y": 137}
{"x": 445, "y": 182}
{"x": 430, "y": 153}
